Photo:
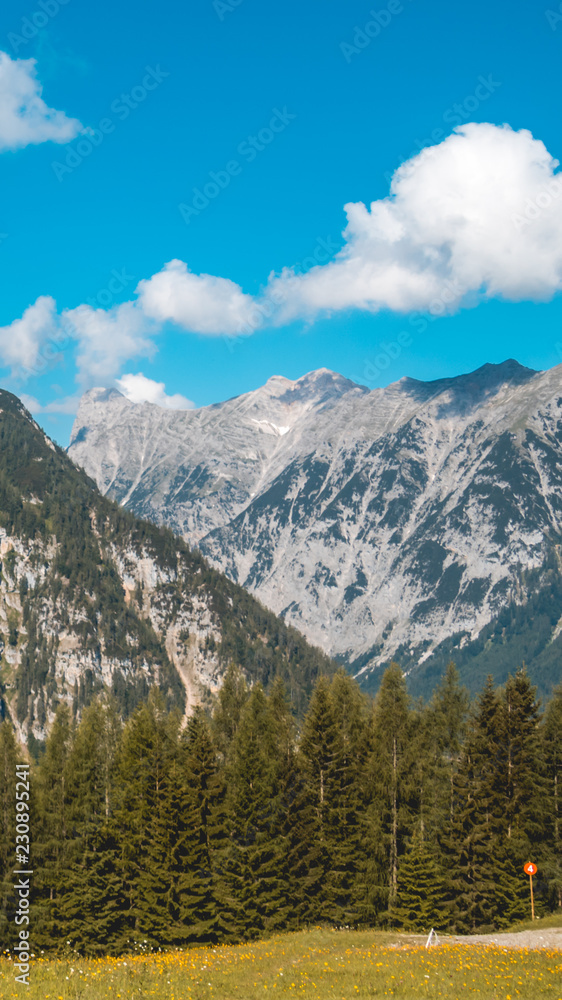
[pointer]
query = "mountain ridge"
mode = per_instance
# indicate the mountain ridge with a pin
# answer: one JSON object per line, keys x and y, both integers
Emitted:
{"x": 381, "y": 522}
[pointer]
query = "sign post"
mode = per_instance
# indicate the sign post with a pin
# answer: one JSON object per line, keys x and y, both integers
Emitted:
{"x": 531, "y": 869}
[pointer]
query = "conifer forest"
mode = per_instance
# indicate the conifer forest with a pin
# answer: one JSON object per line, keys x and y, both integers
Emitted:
{"x": 245, "y": 820}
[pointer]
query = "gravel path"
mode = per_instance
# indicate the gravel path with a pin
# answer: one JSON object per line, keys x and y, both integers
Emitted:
{"x": 550, "y": 938}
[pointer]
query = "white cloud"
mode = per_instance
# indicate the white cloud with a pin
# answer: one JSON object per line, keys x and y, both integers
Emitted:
{"x": 456, "y": 227}
{"x": 107, "y": 339}
{"x": 22, "y": 341}
{"x": 66, "y": 404}
{"x": 477, "y": 216}
{"x": 31, "y": 403}
{"x": 200, "y": 303}
{"x": 140, "y": 389}
{"x": 24, "y": 116}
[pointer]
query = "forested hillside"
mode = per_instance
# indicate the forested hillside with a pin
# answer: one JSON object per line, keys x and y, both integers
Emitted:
{"x": 371, "y": 813}
{"x": 92, "y": 598}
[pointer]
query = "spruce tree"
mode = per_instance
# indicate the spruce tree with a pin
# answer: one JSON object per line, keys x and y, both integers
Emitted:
{"x": 145, "y": 774}
{"x": 551, "y": 740}
{"x": 321, "y": 757}
{"x": 254, "y": 867}
{"x": 54, "y": 837}
{"x": 9, "y": 757}
{"x": 523, "y": 786}
{"x": 483, "y": 886}
{"x": 343, "y": 829}
{"x": 447, "y": 711}
{"x": 202, "y": 836}
{"x": 420, "y": 891}
{"x": 92, "y": 901}
{"x": 388, "y": 779}
{"x": 232, "y": 697}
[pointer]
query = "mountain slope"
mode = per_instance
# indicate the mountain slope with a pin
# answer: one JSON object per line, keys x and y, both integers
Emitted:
{"x": 398, "y": 522}
{"x": 91, "y": 597}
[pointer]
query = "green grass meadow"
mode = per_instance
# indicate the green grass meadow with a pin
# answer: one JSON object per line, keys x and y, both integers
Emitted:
{"x": 309, "y": 964}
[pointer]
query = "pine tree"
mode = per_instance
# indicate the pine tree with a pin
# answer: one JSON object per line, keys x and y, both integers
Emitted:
{"x": 448, "y": 711}
{"x": 145, "y": 770}
{"x": 420, "y": 891}
{"x": 303, "y": 852}
{"x": 8, "y": 759}
{"x": 255, "y": 862}
{"x": 230, "y": 702}
{"x": 551, "y": 740}
{"x": 389, "y": 783}
{"x": 522, "y": 786}
{"x": 344, "y": 834}
{"x": 321, "y": 757}
{"x": 300, "y": 849}
{"x": 200, "y": 817}
{"x": 53, "y": 840}
{"x": 483, "y": 886}
{"x": 92, "y": 901}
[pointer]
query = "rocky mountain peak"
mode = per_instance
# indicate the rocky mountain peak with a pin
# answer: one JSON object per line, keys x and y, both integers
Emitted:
{"x": 380, "y": 523}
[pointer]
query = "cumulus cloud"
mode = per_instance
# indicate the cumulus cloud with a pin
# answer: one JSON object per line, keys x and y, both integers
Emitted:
{"x": 22, "y": 341}
{"x": 479, "y": 215}
{"x": 107, "y": 339}
{"x": 24, "y": 117}
{"x": 200, "y": 303}
{"x": 140, "y": 389}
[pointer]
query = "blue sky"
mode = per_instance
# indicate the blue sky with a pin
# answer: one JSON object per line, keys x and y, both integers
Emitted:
{"x": 171, "y": 94}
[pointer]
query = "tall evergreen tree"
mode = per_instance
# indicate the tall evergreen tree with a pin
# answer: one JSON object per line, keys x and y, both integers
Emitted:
{"x": 523, "y": 787}
{"x": 389, "y": 780}
{"x": 321, "y": 757}
{"x": 255, "y": 862}
{"x": 8, "y": 759}
{"x": 420, "y": 893}
{"x": 343, "y": 828}
{"x": 483, "y": 887}
{"x": 448, "y": 712}
{"x": 551, "y": 739}
{"x": 53, "y": 840}
{"x": 230, "y": 702}
{"x": 146, "y": 772}
{"x": 202, "y": 836}
{"x": 92, "y": 901}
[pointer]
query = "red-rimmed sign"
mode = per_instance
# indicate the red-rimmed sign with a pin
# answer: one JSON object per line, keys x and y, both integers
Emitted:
{"x": 530, "y": 868}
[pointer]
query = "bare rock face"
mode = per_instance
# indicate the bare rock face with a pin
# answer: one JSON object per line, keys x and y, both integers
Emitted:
{"x": 379, "y": 523}
{"x": 94, "y": 599}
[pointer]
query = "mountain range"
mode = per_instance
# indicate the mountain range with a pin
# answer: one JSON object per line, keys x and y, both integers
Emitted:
{"x": 418, "y": 522}
{"x": 93, "y": 598}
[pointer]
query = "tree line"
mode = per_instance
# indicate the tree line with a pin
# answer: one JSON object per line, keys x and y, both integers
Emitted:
{"x": 369, "y": 813}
